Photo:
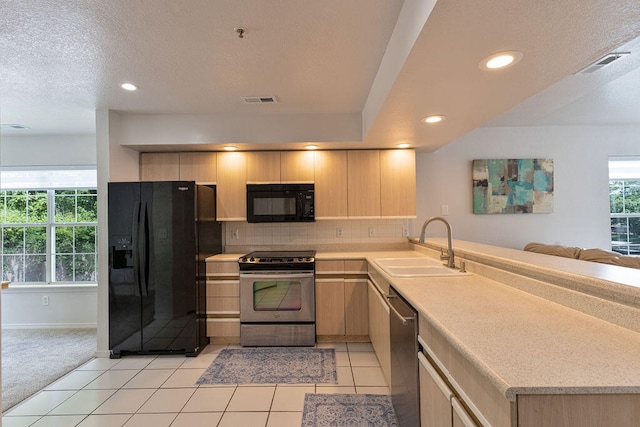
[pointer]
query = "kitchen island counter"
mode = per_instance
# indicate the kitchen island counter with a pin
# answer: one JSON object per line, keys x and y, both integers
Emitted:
{"x": 524, "y": 334}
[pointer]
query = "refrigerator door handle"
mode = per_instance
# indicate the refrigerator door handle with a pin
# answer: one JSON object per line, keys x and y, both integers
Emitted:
{"x": 144, "y": 250}
{"x": 136, "y": 249}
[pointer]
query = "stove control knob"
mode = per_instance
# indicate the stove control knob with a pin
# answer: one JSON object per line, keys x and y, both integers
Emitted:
{"x": 252, "y": 259}
{"x": 243, "y": 259}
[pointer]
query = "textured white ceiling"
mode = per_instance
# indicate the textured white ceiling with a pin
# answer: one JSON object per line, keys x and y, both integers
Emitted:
{"x": 63, "y": 59}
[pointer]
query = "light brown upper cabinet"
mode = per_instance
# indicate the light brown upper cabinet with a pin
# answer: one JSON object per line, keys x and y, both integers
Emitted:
{"x": 296, "y": 166}
{"x": 363, "y": 183}
{"x": 263, "y": 167}
{"x": 398, "y": 183}
{"x": 330, "y": 184}
{"x": 159, "y": 166}
{"x": 231, "y": 186}
{"x": 198, "y": 167}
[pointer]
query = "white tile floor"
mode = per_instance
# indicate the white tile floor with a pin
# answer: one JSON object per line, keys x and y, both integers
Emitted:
{"x": 162, "y": 391}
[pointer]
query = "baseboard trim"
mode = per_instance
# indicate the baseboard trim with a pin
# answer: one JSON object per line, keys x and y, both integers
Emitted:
{"x": 49, "y": 326}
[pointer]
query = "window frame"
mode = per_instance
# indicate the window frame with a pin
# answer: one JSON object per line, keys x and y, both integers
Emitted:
{"x": 50, "y": 226}
{"x": 623, "y": 170}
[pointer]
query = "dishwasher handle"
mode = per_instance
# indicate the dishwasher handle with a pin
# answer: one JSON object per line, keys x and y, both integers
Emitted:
{"x": 403, "y": 319}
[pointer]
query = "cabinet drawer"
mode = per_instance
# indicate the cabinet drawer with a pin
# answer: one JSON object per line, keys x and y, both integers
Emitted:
{"x": 330, "y": 266}
{"x": 217, "y": 268}
{"x": 223, "y": 288}
{"x": 223, "y": 327}
{"x": 355, "y": 266}
{"x": 223, "y": 305}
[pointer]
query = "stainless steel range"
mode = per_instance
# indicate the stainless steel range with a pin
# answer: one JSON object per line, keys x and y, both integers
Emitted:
{"x": 277, "y": 298}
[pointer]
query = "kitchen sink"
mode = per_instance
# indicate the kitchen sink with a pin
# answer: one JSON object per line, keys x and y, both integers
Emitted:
{"x": 416, "y": 267}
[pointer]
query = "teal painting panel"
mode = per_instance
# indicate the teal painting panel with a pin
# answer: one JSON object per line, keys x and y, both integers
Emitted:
{"x": 479, "y": 200}
{"x": 511, "y": 185}
{"x": 525, "y": 170}
{"x": 542, "y": 181}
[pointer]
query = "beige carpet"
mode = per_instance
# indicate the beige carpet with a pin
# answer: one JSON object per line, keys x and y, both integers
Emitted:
{"x": 34, "y": 358}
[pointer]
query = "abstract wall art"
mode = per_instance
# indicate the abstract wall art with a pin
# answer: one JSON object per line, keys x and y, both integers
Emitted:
{"x": 510, "y": 186}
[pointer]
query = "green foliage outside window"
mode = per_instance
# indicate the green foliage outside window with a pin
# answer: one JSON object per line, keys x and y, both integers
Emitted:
{"x": 624, "y": 198}
{"x": 71, "y": 233}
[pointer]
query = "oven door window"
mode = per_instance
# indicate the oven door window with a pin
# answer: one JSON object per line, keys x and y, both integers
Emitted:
{"x": 280, "y": 295}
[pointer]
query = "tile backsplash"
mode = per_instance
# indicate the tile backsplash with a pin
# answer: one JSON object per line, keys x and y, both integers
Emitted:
{"x": 322, "y": 232}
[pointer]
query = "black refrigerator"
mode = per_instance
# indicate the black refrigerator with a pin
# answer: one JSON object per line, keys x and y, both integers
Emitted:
{"x": 160, "y": 234}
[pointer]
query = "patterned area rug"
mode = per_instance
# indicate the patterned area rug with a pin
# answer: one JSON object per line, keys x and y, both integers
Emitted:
{"x": 338, "y": 410}
{"x": 271, "y": 365}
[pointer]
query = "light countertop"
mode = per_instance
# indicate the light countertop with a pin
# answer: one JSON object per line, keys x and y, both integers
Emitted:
{"x": 524, "y": 343}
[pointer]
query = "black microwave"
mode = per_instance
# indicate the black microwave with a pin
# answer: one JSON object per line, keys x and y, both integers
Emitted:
{"x": 280, "y": 203}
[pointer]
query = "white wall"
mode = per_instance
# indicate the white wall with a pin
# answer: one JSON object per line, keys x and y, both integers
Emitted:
{"x": 581, "y": 205}
{"x": 68, "y": 307}
{"x": 58, "y": 150}
{"x": 114, "y": 163}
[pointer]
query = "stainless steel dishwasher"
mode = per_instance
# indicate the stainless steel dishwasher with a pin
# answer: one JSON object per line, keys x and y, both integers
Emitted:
{"x": 405, "y": 388}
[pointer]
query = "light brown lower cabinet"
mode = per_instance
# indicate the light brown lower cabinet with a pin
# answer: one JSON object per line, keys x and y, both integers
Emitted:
{"x": 330, "y": 307}
{"x": 356, "y": 312}
{"x": 590, "y": 410}
{"x": 435, "y": 397}
{"x": 379, "y": 331}
{"x": 341, "y": 300}
{"x": 477, "y": 402}
{"x": 460, "y": 416}
{"x": 223, "y": 302}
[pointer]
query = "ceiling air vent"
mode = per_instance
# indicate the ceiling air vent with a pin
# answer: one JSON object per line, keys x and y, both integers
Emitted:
{"x": 260, "y": 99}
{"x": 602, "y": 62}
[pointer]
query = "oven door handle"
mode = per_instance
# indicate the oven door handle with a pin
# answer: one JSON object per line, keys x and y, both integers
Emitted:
{"x": 276, "y": 274}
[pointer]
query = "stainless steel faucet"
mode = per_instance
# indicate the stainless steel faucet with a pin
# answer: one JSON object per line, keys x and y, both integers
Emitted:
{"x": 449, "y": 257}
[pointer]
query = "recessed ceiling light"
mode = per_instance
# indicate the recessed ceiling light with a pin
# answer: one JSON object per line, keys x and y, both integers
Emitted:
{"x": 403, "y": 145}
{"x": 311, "y": 146}
{"x": 230, "y": 148}
{"x": 129, "y": 86}
{"x": 500, "y": 60}
{"x": 436, "y": 118}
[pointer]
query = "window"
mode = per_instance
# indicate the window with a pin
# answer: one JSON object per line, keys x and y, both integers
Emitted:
{"x": 624, "y": 200}
{"x": 49, "y": 235}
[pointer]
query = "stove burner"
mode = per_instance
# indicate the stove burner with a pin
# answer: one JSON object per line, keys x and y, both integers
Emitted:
{"x": 278, "y": 257}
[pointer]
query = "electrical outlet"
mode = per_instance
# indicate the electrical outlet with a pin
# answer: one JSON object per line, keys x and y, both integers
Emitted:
{"x": 234, "y": 234}
{"x": 45, "y": 300}
{"x": 338, "y": 231}
{"x": 372, "y": 232}
{"x": 405, "y": 231}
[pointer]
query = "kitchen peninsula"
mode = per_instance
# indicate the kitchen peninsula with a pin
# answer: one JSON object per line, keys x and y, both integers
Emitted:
{"x": 527, "y": 339}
